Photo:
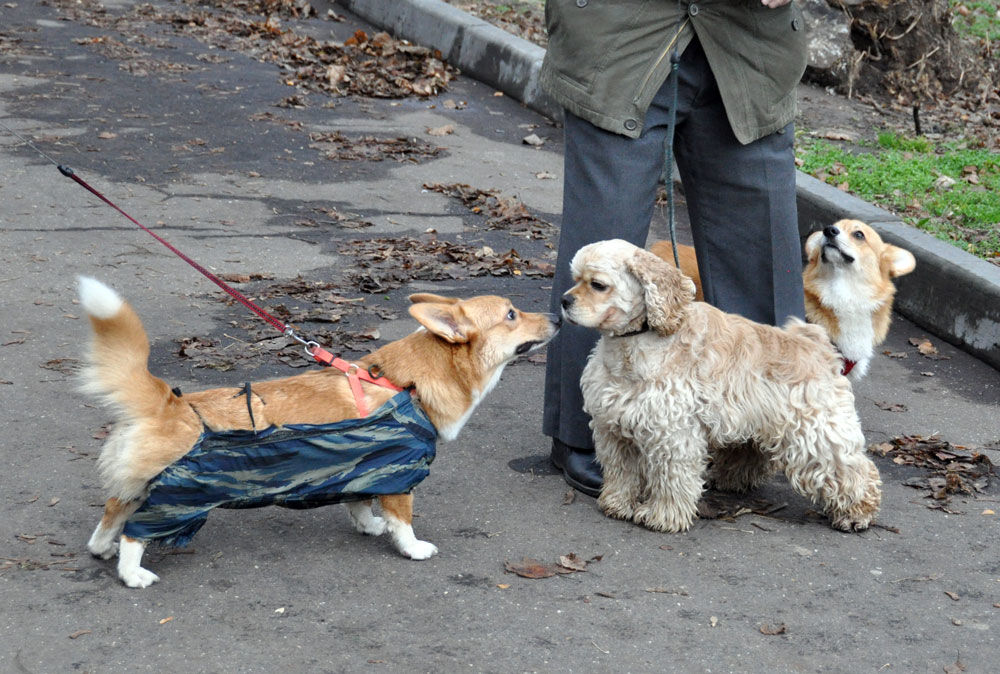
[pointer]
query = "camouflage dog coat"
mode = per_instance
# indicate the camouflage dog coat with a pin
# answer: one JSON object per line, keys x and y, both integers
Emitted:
{"x": 294, "y": 466}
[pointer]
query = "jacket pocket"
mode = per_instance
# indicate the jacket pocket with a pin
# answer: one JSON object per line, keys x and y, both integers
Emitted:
{"x": 583, "y": 36}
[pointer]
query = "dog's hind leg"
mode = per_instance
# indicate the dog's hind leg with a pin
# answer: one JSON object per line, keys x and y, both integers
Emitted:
{"x": 364, "y": 520}
{"x": 129, "y": 563}
{"x": 740, "y": 468}
{"x": 854, "y": 499}
{"x": 839, "y": 477}
{"x": 675, "y": 480}
{"x": 103, "y": 542}
{"x": 398, "y": 512}
{"x": 620, "y": 465}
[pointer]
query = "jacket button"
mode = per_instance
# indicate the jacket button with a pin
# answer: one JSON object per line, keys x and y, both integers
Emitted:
{"x": 796, "y": 23}
{"x": 581, "y": 3}
{"x": 631, "y": 125}
{"x": 693, "y": 9}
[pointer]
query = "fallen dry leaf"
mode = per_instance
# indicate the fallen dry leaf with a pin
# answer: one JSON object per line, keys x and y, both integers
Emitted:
{"x": 79, "y": 633}
{"x": 530, "y": 568}
{"x": 773, "y": 630}
{"x": 952, "y": 595}
{"x": 166, "y": 620}
{"x": 441, "y": 130}
{"x": 572, "y": 562}
{"x": 533, "y": 139}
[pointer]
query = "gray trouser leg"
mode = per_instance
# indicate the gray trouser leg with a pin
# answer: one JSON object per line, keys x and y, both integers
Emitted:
{"x": 741, "y": 199}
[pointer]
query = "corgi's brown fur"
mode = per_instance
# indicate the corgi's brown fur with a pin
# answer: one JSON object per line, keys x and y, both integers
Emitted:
{"x": 847, "y": 283}
{"x": 450, "y": 364}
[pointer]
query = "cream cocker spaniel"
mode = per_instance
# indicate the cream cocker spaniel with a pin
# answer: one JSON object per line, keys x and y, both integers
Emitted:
{"x": 672, "y": 380}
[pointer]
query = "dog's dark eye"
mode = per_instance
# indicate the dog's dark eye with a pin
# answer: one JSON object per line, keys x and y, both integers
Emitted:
{"x": 598, "y": 286}
{"x": 859, "y": 235}
{"x": 511, "y": 315}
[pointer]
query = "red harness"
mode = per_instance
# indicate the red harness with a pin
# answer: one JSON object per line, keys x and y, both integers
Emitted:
{"x": 355, "y": 375}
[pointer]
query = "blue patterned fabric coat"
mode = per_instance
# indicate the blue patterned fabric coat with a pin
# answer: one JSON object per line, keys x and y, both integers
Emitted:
{"x": 294, "y": 466}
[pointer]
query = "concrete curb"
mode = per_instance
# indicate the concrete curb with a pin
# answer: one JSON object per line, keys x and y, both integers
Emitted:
{"x": 952, "y": 294}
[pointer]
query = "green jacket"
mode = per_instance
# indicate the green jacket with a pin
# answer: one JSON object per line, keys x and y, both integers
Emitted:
{"x": 606, "y": 59}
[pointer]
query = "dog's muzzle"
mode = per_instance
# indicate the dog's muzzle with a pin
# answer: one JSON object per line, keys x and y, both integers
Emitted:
{"x": 830, "y": 233}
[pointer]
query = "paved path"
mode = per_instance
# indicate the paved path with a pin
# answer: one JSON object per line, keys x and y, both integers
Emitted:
{"x": 186, "y": 149}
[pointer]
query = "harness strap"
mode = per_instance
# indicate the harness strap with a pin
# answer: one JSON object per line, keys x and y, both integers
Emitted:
{"x": 245, "y": 391}
{"x": 355, "y": 375}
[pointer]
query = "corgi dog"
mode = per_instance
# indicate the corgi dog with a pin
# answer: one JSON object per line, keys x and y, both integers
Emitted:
{"x": 848, "y": 288}
{"x": 847, "y": 285}
{"x": 439, "y": 373}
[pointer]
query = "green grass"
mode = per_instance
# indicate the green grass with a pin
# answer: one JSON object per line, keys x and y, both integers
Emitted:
{"x": 909, "y": 176}
{"x": 981, "y": 19}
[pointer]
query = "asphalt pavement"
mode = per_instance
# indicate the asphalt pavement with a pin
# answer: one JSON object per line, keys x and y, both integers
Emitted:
{"x": 214, "y": 149}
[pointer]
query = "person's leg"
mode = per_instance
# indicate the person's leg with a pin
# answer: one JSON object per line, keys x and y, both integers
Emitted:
{"x": 741, "y": 201}
{"x": 609, "y": 188}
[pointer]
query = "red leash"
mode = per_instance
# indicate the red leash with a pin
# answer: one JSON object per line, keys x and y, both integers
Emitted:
{"x": 354, "y": 373}
{"x": 235, "y": 294}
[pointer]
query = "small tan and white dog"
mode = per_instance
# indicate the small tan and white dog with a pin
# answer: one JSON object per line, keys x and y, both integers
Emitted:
{"x": 847, "y": 283}
{"x": 849, "y": 290}
{"x": 672, "y": 380}
{"x": 449, "y": 365}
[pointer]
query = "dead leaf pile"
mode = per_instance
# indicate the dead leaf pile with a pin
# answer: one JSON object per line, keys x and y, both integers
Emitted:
{"x": 508, "y": 214}
{"x": 534, "y": 569}
{"x": 388, "y": 263}
{"x": 369, "y": 148}
{"x": 377, "y": 66}
{"x": 518, "y": 17}
{"x": 132, "y": 59}
{"x": 951, "y": 469}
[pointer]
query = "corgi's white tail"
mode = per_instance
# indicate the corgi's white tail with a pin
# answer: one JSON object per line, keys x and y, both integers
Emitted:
{"x": 117, "y": 362}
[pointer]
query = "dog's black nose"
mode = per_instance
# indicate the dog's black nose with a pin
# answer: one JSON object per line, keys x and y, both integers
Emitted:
{"x": 830, "y": 232}
{"x": 567, "y": 301}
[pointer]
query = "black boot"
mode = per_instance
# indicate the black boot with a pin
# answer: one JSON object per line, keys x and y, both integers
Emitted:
{"x": 579, "y": 466}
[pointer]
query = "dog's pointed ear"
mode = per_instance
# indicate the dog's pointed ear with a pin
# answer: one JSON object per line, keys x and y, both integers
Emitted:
{"x": 444, "y": 319}
{"x": 666, "y": 290}
{"x": 897, "y": 261}
{"x": 417, "y": 298}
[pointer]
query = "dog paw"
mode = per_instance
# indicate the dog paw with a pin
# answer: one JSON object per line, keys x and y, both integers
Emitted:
{"x": 616, "y": 507}
{"x": 420, "y": 550}
{"x": 851, "y": 524}
{"x": 661, "y": 519}
{"x": 138, "y": 577}
{"x": 103, "y": 551}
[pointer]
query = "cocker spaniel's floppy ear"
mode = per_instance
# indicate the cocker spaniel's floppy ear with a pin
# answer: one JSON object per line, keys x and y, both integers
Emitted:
{"x": 666, "y": 290}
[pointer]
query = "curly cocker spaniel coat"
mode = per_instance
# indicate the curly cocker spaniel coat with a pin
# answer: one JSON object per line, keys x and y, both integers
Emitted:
{"x": 673, "y": 381}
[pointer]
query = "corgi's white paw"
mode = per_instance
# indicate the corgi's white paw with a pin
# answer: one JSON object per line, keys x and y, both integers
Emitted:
{"x": 137, "y": 577}
{"x": 420, "y": 550}
{"x": 102, "y": 545}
